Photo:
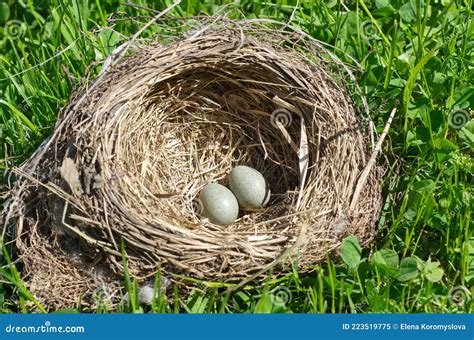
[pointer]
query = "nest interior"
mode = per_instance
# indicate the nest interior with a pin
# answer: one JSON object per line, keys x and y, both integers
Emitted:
{"x": 132, "y": 151}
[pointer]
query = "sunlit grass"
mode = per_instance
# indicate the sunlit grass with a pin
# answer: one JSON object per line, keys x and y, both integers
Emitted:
{"x": 418, "y": 58}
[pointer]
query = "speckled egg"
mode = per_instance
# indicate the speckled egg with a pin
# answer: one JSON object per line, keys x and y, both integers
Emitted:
{"x": 249, "y": 187}
{"x": 219, "y": 204}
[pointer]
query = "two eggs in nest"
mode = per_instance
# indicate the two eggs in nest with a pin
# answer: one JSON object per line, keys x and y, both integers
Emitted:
{"x": 248, "y": 189}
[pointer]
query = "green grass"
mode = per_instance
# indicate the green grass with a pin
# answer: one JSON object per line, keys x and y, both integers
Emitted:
{"x": 417, "y": 55}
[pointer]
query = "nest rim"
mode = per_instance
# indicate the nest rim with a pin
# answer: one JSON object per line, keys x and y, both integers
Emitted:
{"x": 66, "y": 182}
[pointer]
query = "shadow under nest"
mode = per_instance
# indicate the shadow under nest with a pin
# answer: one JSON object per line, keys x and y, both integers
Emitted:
{"x": 131, "y": 152}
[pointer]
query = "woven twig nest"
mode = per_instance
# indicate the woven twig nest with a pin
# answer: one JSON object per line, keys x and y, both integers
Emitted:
{"x": 132, "y": 151}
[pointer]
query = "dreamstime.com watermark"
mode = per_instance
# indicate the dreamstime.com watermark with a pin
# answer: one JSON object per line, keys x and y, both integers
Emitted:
{"x": 198, "y": 207}
{"x": 46, "y": 328}
{"x": 369, "y": 30}
{"x": 451, "y": 214}
{"x": 103, "y": 294}
{"x": 281, "y": 116}
{"x": 13, "y": 29}
{"x": 377, "y": 289}
{"x": 459, "y": 295}
{"x": 457, "y": 119}
{"x": 280, "y": 296}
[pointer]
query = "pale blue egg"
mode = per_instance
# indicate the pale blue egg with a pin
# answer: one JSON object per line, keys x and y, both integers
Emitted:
{"x": 249, "y": 187}
{"x": 219, "y": 204}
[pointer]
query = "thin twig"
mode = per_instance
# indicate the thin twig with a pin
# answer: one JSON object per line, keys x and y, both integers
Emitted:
{"x": 370, "y": 164}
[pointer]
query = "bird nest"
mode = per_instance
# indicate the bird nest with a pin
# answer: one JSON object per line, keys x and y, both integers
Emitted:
{"x": 133, "y": 149}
